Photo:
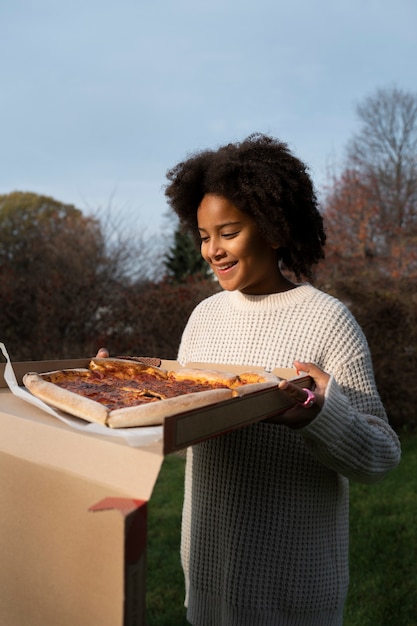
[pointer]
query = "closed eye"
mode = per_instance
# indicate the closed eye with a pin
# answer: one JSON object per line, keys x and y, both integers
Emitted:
{"x": 227, "y": 235}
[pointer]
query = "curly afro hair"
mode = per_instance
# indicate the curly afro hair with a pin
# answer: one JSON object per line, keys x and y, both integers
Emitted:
{"x": 262, "y": 178}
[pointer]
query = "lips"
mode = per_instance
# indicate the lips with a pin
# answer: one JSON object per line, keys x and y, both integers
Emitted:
{"x": 225, "y": 267}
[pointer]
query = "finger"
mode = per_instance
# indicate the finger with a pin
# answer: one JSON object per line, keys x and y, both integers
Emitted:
{"x": 320, "y": 377}
{"x": 297, "y": 393}
{"x": 102, "y": 353}
{"x": 308, "y": 368}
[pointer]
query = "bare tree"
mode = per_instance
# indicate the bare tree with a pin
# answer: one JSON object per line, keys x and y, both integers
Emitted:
{"x": 371, "y": 207}
{"x": 384, "y": 152}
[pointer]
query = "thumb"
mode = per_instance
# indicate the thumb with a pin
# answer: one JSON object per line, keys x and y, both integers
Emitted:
{"x": 102, "y": 353}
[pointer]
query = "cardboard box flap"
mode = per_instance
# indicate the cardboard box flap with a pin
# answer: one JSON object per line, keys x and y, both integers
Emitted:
{"x": 134, "y": 513}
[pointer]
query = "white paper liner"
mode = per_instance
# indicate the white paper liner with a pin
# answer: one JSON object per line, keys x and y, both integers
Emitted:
{"x": 135, "y": 437}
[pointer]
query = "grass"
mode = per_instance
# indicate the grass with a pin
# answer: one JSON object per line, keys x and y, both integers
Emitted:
{"x": 383, "y": 547}
{"x": 165, "y": 584}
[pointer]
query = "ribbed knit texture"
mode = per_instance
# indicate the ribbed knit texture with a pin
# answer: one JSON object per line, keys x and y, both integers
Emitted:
{"x": 265, "y": 520}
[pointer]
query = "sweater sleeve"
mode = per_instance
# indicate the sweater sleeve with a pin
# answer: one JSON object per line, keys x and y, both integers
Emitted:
{"x": 351, "y": 434}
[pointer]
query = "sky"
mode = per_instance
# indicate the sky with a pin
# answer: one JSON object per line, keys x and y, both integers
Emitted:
{"x": 99, "y": 98}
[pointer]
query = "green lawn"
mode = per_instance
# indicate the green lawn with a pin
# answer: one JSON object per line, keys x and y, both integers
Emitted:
{"x": 383, "y": 547}
{"x": 383, "y": 555}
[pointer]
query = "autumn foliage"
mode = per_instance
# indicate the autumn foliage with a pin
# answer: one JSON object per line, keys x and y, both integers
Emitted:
{"x": 51, "y": 269}
{"x": 358, "y": 239}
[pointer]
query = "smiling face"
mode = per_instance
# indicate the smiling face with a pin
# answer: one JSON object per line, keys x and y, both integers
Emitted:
{"x": 231, "y": 244}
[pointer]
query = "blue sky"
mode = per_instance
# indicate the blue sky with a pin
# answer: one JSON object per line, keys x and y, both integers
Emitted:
{"x": 99, "y": 98}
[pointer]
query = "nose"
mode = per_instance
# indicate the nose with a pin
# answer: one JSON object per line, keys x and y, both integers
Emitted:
{"x": 214, "y": 249}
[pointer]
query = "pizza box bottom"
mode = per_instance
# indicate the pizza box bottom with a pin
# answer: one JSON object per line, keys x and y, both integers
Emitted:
{"x": 194, "y": 426}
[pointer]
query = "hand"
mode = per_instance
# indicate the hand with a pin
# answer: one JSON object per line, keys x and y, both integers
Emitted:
{"x": 299, "y": 416}
{"x": 102, "y": 353}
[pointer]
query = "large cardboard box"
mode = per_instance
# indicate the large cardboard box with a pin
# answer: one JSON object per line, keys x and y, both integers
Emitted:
{"x": 73, "y": 522}
{"x": 74, "y": 505}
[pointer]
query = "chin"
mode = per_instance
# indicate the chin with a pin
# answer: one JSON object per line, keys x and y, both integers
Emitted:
{"x": 228, "y": 287}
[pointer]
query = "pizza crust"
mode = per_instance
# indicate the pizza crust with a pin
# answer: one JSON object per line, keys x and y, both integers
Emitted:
{"x": 255, "y": 381}
{"x": 65, "y": 400}
{"x": 155, "y": 413}
{"x": 128, "y": 368}
{"x": 252, "y": 377}
{"x": 210, "y": 376}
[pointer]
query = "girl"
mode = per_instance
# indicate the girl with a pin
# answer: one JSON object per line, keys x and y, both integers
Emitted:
{"x": 265, "y": 518}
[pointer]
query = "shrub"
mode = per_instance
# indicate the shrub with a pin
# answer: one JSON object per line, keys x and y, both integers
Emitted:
{"x": 387, "y": 311}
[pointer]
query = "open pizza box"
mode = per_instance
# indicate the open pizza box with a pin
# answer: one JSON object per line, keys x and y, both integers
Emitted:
{"x": 74, "y": 501}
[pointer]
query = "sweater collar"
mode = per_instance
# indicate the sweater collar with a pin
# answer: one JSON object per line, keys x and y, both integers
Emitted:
{"x": 288, "y": 298}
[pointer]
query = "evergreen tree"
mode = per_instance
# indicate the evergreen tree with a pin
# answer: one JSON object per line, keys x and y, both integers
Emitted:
{"x": 184, "y": 260}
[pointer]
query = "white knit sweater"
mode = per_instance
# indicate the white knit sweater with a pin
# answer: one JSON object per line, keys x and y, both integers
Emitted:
{"x": 265, "y": 520}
